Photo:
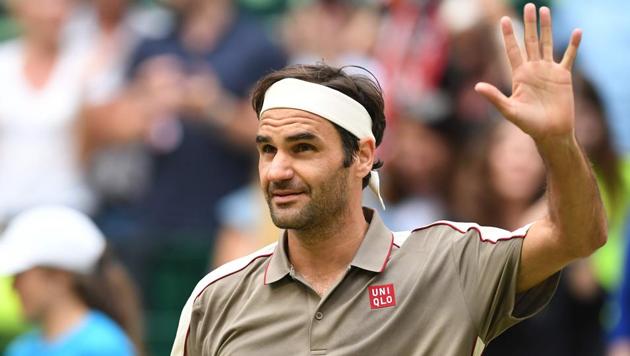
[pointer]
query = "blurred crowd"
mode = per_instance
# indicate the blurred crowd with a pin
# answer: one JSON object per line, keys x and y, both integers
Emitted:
{"x": 137, "y": 114}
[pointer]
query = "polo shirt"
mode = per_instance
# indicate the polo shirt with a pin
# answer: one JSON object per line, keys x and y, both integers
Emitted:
{"x": 444, "y": 289}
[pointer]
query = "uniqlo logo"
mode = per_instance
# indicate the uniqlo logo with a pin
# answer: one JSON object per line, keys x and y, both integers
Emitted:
{"x": 382, "y": 296}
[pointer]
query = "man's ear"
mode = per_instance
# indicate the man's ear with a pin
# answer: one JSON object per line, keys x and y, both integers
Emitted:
{"x": 365, "y": 157}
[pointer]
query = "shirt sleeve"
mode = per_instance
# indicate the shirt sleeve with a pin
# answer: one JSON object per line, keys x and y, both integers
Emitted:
{"x": 194, "y": 343}
{"x": 487, "y": 261}
{"x": 181, "y": 343}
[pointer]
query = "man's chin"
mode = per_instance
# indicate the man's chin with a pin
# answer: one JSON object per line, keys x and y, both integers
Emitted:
{"x": 287, "y": 219}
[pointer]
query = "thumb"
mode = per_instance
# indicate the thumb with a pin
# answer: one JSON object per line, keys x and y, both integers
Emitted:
{"x": 494, "y": 95}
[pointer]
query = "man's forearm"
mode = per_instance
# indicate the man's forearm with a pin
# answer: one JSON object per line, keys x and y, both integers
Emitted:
{"x": 576, "y": 211}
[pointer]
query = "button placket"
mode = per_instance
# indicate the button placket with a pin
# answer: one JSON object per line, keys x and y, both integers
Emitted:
{"x": 319, "y": 327}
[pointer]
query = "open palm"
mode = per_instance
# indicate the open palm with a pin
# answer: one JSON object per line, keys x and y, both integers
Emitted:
{"x": 541, "y": 103}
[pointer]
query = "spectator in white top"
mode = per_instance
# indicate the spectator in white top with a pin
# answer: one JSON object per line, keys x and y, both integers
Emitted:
{"x": 41, "y": 93}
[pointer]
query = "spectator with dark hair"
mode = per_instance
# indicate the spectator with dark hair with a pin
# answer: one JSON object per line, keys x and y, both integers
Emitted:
{"x": 81, "y": 300}
{"x": 500, "y": 179}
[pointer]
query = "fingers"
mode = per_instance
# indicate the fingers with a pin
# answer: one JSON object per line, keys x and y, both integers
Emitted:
{"x": 571, "y": 52}
{"x": 495, "y": 96}
{"x": 511, "y": 46}
{"x": 531, "y": 32}
{"x": 546, "y": 37}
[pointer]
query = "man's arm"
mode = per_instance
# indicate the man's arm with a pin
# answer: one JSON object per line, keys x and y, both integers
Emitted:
{"x": 542, "y": 106}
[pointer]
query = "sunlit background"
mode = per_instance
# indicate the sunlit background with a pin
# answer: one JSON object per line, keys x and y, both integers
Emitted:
{"x": 138, "y": 113}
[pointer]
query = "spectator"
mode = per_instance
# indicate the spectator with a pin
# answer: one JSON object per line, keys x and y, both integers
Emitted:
{"x": 412, "y": 47}
{"x": 68, "y": 286}
{"x": 500, "y": 179}
{"x": 41, "y": 89}
{"x": 606, "y": 269}
{"x": 115, "y": 119}
{"x": 199, "y": 76}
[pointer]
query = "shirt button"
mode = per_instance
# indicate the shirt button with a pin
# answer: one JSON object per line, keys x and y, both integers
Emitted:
{"x": 319, "y": 315}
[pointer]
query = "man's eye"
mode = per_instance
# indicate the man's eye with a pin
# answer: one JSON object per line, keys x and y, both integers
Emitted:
{"x": 268, "y": 149}
{"x": 303, "y": 147}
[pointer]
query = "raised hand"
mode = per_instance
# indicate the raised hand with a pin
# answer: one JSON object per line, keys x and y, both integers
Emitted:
{"x": 541, "y": 103}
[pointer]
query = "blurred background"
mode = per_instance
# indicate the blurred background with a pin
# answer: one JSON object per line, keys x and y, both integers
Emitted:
{"x": 137, "y": 113}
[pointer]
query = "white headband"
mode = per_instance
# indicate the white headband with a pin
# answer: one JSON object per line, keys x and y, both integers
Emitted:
{"x": 333, "y": 105}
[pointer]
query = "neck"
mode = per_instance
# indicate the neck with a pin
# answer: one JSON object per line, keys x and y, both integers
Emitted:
{"x": 40, "y": 49}
{"x": 62, "y": 317}
{"x": 321, "y": 254}
{"x": 110, "y": 24}
{"x": 39, "y": 62}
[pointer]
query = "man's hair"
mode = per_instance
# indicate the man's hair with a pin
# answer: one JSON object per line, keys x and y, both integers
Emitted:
{"x": 359, "y": 87}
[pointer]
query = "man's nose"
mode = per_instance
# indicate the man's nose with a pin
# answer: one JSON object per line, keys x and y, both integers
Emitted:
{"x": 280, "y": 168}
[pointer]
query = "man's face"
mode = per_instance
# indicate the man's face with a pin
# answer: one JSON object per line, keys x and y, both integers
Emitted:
{"x": 301, "y": 168}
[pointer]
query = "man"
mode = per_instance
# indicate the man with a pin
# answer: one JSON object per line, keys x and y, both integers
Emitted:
{"x": 339, "y": 282}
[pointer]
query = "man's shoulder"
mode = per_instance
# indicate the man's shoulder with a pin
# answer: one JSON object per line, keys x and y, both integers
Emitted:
{"x": 232, "y": 273}
{"x": 445, "y": 231}
{"x": 218, "y": 286}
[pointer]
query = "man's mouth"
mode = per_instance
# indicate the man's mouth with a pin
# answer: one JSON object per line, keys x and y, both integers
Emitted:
{"x": 284, "y": 197}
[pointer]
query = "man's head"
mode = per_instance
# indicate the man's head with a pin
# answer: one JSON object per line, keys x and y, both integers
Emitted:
{"x": 311, "y": 168}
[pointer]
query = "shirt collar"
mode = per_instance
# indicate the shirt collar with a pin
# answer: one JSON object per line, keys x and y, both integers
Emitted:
{"x": 372, "y": 255}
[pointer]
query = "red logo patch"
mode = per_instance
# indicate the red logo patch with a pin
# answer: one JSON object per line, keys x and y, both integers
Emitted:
{"x": 382, "y": 296}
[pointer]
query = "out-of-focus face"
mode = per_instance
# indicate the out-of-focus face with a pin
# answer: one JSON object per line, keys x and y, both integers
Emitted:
{"x": 43, "y": 19}
{"x": 178, "y": 5}
{"x": 112, "y": 8}
{"x": 516, "y": 169}
{"x": 419, "y": 156}
{"x": 301, "y": 168}
{"x": 38, "y": 288}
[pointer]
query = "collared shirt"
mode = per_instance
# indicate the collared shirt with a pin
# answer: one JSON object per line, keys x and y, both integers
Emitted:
{"x": 444, "y": 289}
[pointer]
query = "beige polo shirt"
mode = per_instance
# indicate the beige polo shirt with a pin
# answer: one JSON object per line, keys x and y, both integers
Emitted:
{"x": 443, "y": 289}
